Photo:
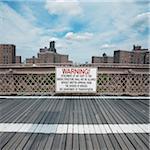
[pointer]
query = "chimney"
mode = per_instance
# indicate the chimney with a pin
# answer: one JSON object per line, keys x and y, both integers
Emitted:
{"x": 104, "y": 55}
{"x": 52, "y": 46}
{"x": 135, "y": 48}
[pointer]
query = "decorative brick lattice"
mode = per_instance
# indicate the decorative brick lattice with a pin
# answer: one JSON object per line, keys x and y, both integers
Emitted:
{"x": 41, "y": 84}
{"x": 27, "y": 84}
{"x": 123, "y": 84}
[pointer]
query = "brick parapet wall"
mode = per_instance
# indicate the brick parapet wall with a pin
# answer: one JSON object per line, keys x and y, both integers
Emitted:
{"x": 41, "y": 80}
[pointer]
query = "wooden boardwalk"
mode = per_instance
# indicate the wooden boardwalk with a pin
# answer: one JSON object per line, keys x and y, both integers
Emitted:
{"x": 74, "y": 112}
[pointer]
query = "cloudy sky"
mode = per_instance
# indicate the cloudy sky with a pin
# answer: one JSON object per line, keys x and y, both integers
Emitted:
{"x": 81, "y": 29}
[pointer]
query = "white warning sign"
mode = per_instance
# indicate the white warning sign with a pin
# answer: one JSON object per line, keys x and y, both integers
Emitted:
{"x": 76, "y": 79}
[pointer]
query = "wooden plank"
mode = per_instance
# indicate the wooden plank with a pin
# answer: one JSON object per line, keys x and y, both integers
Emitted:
{"x": 56, "y": 142}
{"x": 43, "y": 141}
{"x": 49, "y": 142}
{"x": 23, "y": 141}
{"x": 91, "y": 120}
{"x": 29, "y": 142}
{"x": 5, "y": 139}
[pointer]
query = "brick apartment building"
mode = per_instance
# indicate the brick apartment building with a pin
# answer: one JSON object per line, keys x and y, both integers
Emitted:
{"x": 8, "y": 54}
{"x": 103, "y": 59}
{"x": 138, "y": 55}
{"x": 18, "y": 59}
{"x": 48, "y": 55}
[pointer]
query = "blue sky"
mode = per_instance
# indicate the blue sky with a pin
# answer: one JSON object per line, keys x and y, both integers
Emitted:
{"x": 80, "y": 28}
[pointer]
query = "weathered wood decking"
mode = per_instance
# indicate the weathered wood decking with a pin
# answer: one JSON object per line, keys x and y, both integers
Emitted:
{"x": 75, "y": 112}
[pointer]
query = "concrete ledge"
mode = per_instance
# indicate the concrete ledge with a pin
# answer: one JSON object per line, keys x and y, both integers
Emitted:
{"x": 74, "y": 97}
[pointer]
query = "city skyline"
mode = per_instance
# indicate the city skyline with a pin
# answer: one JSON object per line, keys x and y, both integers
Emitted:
{"x": 81, "y": 29}
{"x": 49, "y": 55}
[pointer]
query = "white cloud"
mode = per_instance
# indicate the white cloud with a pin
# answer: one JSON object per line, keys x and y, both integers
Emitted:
{"x": 21, "y": 32}
{"x": 141, "y": 22}
{"x": 142, "y": 18}
{"x": 104, "y": 1}
{"x": 58, "y": 29}
{"x": 108, "y": 46}
{"x": 28, "y": 13}
{"x": 78, "y": 36}
{"x": 65, "y": 7}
